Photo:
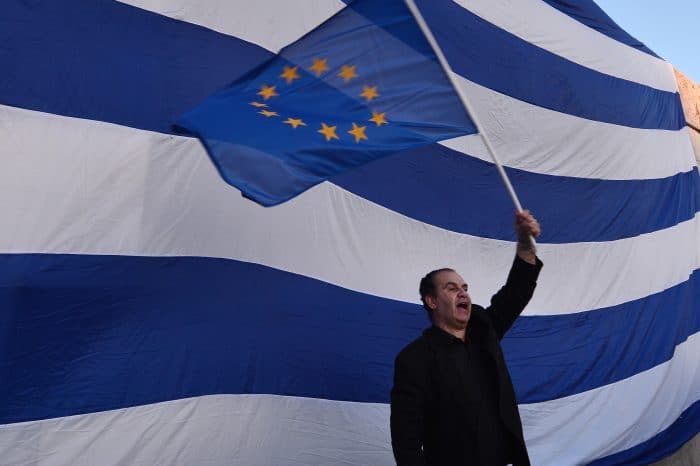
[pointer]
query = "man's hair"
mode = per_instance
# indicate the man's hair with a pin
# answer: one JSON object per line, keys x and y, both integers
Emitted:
{"x": 427, "y": 288}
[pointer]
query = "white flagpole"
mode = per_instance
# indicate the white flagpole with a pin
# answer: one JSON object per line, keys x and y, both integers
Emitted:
{"x": 465, "y": 101}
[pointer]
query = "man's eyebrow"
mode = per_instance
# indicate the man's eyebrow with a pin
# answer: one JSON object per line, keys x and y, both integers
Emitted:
{"x": 455, "y": 284}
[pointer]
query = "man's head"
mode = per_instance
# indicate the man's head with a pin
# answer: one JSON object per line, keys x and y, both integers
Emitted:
{"x": 445, "y": 297}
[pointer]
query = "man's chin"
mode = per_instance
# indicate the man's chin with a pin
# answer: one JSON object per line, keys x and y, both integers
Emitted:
{"x": 462, "y": 322}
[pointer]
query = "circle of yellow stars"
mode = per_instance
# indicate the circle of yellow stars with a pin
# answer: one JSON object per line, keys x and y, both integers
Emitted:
{"x": 319, "y": 67}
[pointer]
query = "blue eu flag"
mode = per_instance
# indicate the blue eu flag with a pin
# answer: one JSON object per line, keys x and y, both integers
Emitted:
{"x": 363, "y": 85}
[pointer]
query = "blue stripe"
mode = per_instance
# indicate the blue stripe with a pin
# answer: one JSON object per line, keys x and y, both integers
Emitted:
{"x": 588, "y": 13}
{"x": 554, "y": 356}
{"x": 103, "y": 60}
{"x": 112, "y": 62}
{"x": 443, "y": 187}
{"x": 496, "y": 59}
{"x": 659, "y": 446}
{"x": 81, "y": 334}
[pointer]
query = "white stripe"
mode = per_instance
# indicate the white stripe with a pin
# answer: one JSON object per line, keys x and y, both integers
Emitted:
{"x": 545, "y": 141}
{"x": 268, "y": 429}
{"x": 695, "y": 140}
{"x": 88, "y": 187}
{"x": 580, "y": 428}
{"x": 544, "y": 26}
{"x": 585, "y": 276}
{"x": 210, "y": 430}
{"x": 271, "y": 24}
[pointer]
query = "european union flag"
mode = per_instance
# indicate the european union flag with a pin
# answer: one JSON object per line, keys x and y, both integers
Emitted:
{"x": 363, "y": 85}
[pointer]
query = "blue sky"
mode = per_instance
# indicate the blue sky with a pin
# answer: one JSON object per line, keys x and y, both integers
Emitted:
{"x": 669, "y": 28}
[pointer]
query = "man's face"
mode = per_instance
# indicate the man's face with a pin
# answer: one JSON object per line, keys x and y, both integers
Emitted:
{"x": 451, "y": 306}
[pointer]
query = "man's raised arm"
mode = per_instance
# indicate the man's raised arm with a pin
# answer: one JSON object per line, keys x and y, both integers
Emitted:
{"x": 509, "y": 302}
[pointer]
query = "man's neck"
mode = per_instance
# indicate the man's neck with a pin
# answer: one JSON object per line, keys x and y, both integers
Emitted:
{"x": 456, "y": 332}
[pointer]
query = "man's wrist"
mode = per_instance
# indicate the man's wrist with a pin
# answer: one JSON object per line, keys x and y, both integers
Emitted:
{"x": 526, "y": 251}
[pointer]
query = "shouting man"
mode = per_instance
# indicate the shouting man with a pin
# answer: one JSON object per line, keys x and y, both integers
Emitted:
{"x": 453, "y": 401}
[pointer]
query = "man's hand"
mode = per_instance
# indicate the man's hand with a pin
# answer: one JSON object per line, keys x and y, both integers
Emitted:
{"x": 527, "y": 226}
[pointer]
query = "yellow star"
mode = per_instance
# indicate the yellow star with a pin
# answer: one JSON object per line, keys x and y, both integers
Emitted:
{"x": 369, "y": 93}
{"x": 379, "y": 118}
{"x": 328, "y": 132}
{"x": 358, "y": 132}
{"x": 294, "y": 122}
{"x": 319, "y": 66}
{"x": 268, "y": 113}
{"x": 267, "y": 91}
{"x": 290, "y": 74}
{"x": 348, "y": 72}
{"x": 258, "y": 104}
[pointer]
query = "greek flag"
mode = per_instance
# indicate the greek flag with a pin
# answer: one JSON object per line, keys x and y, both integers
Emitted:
{"x": 150, "y": 314}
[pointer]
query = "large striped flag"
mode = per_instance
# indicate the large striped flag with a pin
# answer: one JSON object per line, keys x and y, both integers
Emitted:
{"x": 149, "y": 314}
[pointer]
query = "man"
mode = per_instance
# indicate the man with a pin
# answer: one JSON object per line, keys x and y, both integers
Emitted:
{"x": 453, "y": 402}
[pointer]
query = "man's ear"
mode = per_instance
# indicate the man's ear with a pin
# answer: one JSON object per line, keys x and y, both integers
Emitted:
{"x": 431, "y": 302}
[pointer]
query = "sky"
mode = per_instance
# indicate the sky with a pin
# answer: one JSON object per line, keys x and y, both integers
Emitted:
{"x": 670, "y": 28}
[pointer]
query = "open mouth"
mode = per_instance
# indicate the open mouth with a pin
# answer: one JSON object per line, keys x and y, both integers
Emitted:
{"x": 464, "y": 306}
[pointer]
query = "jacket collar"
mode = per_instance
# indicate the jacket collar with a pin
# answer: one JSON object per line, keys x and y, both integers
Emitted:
{"x": 440, "y": 336}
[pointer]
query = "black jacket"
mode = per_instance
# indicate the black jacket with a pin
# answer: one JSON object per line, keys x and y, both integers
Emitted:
{"x": 427, "y": 402}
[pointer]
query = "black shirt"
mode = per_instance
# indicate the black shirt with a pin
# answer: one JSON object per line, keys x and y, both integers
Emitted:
{"x": 476, "y": 368}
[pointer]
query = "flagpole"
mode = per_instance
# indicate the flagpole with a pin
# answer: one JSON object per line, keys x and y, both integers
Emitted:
{"x": 465, "y": 101}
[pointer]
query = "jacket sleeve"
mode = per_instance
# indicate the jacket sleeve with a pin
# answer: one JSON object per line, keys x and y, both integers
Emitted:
{"x": 408, "y": 404}
{"x": 509, "y": 302}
